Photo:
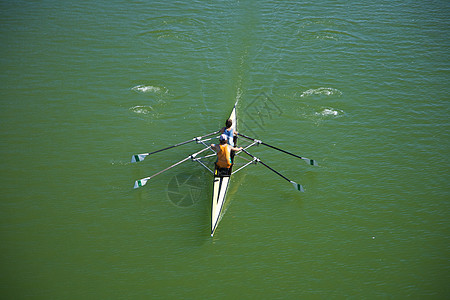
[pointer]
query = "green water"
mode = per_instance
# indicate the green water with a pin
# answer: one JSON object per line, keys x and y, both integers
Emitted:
{"x": 361, "y": 87}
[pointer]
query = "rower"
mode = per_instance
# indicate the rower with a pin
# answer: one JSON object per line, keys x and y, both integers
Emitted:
{"x": 223, "y": 150}
{"x": 229, "y": 132}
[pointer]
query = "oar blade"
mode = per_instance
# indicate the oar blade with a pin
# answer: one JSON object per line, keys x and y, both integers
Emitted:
{"x": 311, "y": 162}
{"x": 138, "y": 157}
{"x": 297, "y": 186}
{"x": 140, "y": 183}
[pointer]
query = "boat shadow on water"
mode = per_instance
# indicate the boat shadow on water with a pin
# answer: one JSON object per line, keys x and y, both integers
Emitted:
{"x": 192, "y": 200}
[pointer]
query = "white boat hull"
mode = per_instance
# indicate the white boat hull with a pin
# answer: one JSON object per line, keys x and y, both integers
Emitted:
{"x": 219, "y": 194}
{"x": 220, "y": 187}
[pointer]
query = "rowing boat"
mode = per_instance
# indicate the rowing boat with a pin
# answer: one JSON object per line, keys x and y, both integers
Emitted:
{"x": 221, "y": 183}
{"x": 221, "y": 180}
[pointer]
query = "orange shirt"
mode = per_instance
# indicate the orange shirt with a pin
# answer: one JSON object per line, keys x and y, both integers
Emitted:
{"x": 223, "y": 157}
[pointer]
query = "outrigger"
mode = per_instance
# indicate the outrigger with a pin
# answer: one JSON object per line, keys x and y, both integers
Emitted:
{"x": 221, "y": 177}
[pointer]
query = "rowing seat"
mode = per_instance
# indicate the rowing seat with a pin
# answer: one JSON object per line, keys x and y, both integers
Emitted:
{"x": 222, "y": 172}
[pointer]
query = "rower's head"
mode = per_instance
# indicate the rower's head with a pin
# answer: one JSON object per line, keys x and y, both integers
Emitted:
{"x": 229, "y": 123}
{"x": 223, "y": 139}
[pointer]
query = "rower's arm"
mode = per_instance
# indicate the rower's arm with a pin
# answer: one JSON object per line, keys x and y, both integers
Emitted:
{"x": 236, "y": 149}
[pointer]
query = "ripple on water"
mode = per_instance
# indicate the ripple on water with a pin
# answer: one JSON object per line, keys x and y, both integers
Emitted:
{"x": 315, "y": 110}
{"x": 326, "y": 28}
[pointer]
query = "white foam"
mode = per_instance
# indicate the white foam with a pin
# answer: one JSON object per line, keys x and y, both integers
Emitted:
{"x": 145, "y": 110}
{"x": 321, "y": 91}
{"x": 149, "y": 89}
{"x": 326, "y": 37}
{"x": 330, "y": 112}
{"x": 327, "y": 112}
{"x": 238, "y": 94}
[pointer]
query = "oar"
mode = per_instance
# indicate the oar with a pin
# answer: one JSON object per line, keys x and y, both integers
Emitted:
{"x": 143, "y": 181}
{"x": 311, "y": 162}
{"x": 141, "y": 157}
{"x": 297, "y": 186}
